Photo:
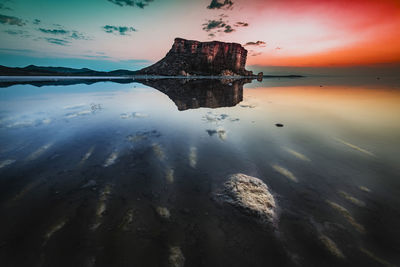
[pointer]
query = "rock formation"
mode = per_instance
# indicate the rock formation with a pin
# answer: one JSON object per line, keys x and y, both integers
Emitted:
{"x": 191, "y": 93}
{"x": 188, "y": 57}
{"x": 251, "y": 196}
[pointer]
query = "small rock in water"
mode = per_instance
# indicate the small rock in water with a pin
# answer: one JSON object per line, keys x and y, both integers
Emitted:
{"x": 163, "y": 212}
{"x": 278, "y": 124}
{"x": 250, "y": 195}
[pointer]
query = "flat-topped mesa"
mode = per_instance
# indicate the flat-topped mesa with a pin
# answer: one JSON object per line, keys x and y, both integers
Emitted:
{"x": 189, "y": 57}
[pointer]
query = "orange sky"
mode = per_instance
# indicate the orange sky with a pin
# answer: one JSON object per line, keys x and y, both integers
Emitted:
{"x": 322, "y": 33}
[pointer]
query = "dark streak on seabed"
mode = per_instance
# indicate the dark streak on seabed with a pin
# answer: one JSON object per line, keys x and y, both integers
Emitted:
{"x": 126, "y": 172}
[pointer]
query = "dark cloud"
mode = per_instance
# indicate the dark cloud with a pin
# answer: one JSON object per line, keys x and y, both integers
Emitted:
{"x": 57, "y": 41}
{"x": 67, "y": 34}
{"x": 228, "y": 29}
{"x": 213, "y": 26}
{"x": 36, "y": 21}
{"x": 11, "y": 20}
{"x": 20, "y": 33}
{"x": 241, "y": 24}
{"x": 215, "y": 4}
{"x": 3, "y": 7}
{"x": 258, "y": 43}
{"x": 254, "y": 54}
{"x": 54, "y": 31}
{"x": 132, "y": 3}
{"x": 121, "y": 30}
{"x": 278, "y": 48}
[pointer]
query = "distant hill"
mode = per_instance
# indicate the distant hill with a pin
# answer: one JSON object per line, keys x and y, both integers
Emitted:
{"x": 33, "y": 70}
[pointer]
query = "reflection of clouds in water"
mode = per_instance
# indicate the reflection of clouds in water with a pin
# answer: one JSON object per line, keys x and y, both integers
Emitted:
{"x": 39, "y": 152}
{"x": 215, "y": 117}
{"x": 127, "y": 220}
{"x": 285, "y": 172}
{"x": 75, "y": 106}
{"x": 376, "y": 258}
{"x": 143, "y": 135}
{"x": 101, "y": 207}
{"x": 6, "y": 162}
{"x": 158, "y": 151}
{"x": 296, "y": 154}
{"x": 87, "y": 155}
{"x": 247, "y": 105}
{"x": 331, "y": 246}
{"x": 193, "y": 157}
{"x": 352, "y": 199}
{"x": 176, "y": 258}
{"x": 365, "y": 189}
{"x": 354, "y": 147}
{"x": 220, "y": 132}
{"x": 133, "y": 115}
{"x": 346, "y": 214}
{"x": 77, "y": 114}
{"x": 55, "y": 228}
{"x": 111, "y": 159}
{"x": 169, "y": 175}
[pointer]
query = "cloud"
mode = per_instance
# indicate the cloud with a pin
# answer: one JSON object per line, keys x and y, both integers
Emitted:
{"x": 121, "y": 30}
{"x": 67, "y": 34}
{"x": 3, "y": 7}
{"x": 241, "y": 24}
{"x": 213, "y": 26}
{"x": 57, "y": 41}
{"x": 11, "y": 20}
{"x": 258, "y": 43}
{"x": 36, "y": 21}
{"x": 54, "y": 31}
{"x": 141, "y": 3}
{"x": 228, "y": 29}
{"x": 255, "y": 54}
{"x": 18, "y": 33}
{"x": 215, "y": 4}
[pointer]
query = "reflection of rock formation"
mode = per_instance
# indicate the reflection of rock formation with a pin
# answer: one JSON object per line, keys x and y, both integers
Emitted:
{"x": 210, "y": 93}
{"x": 188, "y": 57}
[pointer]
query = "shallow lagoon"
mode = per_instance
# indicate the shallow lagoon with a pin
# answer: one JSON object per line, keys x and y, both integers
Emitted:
{"x": 123, "y": 173}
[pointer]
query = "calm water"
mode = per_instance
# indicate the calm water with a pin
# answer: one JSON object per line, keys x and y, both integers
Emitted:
{"x": 123, "y": 173}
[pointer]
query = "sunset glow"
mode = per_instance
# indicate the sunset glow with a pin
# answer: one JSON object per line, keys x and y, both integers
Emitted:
{"x": 113, "y": 34}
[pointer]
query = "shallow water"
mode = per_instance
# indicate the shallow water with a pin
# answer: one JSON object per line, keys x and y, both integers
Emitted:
{"x": 123, "y": 173}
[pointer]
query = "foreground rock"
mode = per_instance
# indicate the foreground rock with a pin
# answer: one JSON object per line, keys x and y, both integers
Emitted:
{"x": 189, "y": 57}
{"x": 251, "y": 196}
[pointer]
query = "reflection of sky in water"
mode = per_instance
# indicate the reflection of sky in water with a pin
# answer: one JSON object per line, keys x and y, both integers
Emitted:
{"x": 336, "y": 158}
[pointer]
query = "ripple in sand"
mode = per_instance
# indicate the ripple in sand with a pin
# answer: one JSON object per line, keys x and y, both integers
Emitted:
{"x": 346, "y": 214}
{"x": 285, "y": 172}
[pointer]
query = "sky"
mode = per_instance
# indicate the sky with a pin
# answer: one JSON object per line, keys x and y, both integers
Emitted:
{"x": 132, "y": 34}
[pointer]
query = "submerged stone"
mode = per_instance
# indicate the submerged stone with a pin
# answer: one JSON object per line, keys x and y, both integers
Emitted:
{"x": 250, "y": 195}
{"x": 176, "y": 258}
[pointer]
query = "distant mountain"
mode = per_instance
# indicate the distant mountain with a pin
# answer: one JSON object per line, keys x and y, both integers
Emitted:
{"x": 33, "y": 70}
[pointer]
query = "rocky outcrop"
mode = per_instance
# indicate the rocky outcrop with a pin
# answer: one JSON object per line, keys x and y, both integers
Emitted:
{"x": 191, "y": 93}
{"x": 189, "y": 57}
{"x": 251, "y": 196}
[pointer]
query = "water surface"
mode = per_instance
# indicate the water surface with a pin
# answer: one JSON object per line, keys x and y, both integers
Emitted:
{"x": 103, "y": 173}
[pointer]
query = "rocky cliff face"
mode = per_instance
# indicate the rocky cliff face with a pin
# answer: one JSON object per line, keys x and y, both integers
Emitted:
{"x": 188, "y": 57}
